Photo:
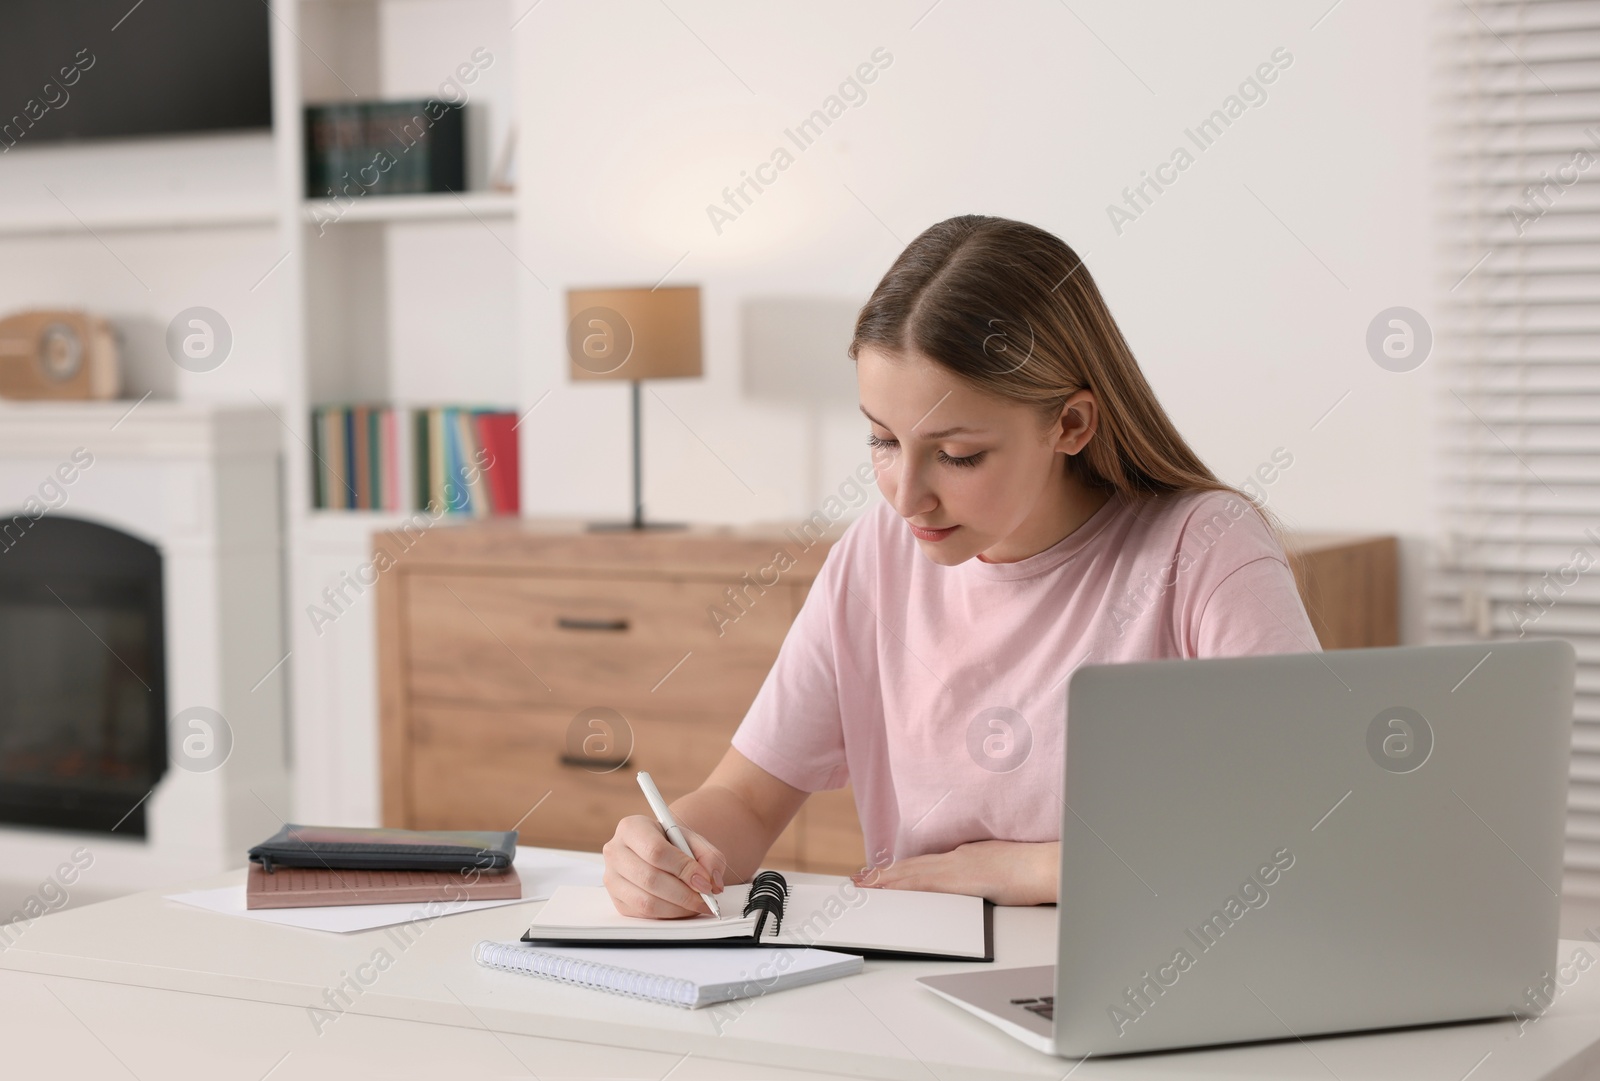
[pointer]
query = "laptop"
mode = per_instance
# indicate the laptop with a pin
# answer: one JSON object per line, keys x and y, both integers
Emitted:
{"x": 1259, "y": 848}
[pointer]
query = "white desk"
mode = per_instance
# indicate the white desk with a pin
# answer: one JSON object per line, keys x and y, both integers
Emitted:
{"x": 150, "y": 987}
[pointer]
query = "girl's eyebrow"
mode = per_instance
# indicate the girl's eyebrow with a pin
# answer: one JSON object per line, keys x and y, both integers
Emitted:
{"x": 945, "y": 434}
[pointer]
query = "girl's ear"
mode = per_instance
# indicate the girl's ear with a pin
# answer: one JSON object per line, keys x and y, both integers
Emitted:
{"x": 1080, "y": 416}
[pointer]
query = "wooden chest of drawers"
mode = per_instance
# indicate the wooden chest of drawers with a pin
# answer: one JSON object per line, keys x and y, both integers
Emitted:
{"x": 528, "y": 669}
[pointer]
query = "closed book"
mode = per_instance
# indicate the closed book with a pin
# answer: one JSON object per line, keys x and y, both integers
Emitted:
{"x": 318, "y": 129}
{"x": 352, "y": 478}
{"x": 374, "y": 458}
{"x": 338, "y": 472}
{"x": 427, "y": 138}
{"x": 387, "y": 125}
{"x": 436, "y": 467}
{"x": 363, "y": 456}
{"x": 375, "y": 449}
{"x": 334, "y": 138}
{"x": 318, "y": 495}
{"x": 346, "y": 160}
{"x": 454, "y": 494}
{"x": 385, "y": 849}
{"x": 447, "y": 158}
{"x": 318, "y": 887}
{"x": 391, "y": 460}
{"x": 420, "y": 459}
{"x": 325, "y": 458}
{"x": 455, "y": 474}
{"x": 472, "y": 459}
{"x": 498, "y": 435}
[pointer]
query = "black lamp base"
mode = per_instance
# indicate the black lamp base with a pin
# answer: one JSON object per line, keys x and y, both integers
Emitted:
{"x": 638, "y": 525}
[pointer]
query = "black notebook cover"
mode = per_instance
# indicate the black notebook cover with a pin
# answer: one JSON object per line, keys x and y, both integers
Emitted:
{"x": 386, "y": 849}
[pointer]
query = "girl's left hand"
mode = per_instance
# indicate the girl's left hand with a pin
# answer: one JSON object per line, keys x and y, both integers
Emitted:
{"x": 1005, "y": 872}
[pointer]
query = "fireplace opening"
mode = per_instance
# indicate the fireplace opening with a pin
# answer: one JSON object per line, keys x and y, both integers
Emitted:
{"x": 82, "y": 677}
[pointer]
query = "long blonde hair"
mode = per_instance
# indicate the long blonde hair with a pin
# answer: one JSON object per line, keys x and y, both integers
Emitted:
{"x": 1012, "y": 310}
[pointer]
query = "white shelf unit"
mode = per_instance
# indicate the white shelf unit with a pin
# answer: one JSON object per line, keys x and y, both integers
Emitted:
{"x": 404, "y": 299}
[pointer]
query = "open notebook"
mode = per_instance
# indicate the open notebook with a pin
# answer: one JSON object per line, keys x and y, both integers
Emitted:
{"x": 690, "y": 978}
{"x": 771, "y": 912}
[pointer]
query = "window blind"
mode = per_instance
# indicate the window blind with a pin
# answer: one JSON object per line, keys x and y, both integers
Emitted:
{"x": 1518, "y": 349}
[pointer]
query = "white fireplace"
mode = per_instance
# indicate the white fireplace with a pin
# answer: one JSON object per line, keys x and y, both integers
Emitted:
{"x": 201, "y": 483}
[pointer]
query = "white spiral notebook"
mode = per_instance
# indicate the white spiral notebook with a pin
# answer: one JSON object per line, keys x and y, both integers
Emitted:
{"x": 689, "y": 977}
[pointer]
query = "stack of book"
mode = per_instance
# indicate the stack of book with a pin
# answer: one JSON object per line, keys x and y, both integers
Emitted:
{"x": 384, "y": 148}
{"x": 320, "y": 866}
{"x": 466, "y": 460}
{"x": 356, "y": 458}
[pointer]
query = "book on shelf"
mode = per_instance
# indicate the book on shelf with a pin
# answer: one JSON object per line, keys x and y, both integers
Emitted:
{"x": 384, "y": 148}
{"x": 355, "y": 457}
{"x": 458, "y": 459}
{"x": 466, "y": 460}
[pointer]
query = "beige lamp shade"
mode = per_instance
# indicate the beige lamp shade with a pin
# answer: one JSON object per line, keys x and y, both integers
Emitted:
{"x": 634, "y": 333}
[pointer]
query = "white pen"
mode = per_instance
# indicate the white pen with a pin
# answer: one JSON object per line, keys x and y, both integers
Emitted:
{"x": 673, "y": 831}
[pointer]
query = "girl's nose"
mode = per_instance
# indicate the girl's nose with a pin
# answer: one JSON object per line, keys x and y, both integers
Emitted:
{"x": 913, "y": 497}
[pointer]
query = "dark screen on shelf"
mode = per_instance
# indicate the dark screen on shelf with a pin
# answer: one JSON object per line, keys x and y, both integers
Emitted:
{"x": 155, "y": 67}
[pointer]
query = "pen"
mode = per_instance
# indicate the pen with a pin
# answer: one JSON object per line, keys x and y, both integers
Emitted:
{"x": 673, "y": 831}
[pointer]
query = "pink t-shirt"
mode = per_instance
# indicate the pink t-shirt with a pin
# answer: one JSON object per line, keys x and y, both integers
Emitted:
{"x": 940, "y": 692}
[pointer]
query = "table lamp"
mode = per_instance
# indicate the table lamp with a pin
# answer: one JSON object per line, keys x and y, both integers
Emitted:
{"x": 634, "y": 334}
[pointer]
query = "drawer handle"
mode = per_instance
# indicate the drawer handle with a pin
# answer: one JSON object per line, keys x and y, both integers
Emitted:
{"x": 594, "y": 765}
{"x": 570, "y": 623}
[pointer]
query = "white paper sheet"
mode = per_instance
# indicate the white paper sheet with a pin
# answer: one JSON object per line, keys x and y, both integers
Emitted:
{"x": 541, "y": 871}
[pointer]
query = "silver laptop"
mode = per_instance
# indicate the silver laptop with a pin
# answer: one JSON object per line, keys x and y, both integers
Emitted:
{"x": 1261, "y": 848}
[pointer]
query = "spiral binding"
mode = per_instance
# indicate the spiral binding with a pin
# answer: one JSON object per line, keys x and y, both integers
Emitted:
{"x": 618, "y": 981}
{"x": 768, "y": 892}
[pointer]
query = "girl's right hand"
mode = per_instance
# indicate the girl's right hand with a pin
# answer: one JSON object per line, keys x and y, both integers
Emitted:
{"x": 647, "y": 876}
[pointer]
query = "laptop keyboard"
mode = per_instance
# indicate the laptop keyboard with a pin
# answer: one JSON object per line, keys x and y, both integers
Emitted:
{"x": 1045, "y": 1006}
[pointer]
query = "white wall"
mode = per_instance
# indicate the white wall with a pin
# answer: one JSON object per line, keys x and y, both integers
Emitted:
{"x": 633, "y": 116}
{"x": 96, "y": 226}
{"x": 633, "y": 122}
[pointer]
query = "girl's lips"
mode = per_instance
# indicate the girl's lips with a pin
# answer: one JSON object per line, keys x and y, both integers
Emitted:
{"x": 932, "y": 534}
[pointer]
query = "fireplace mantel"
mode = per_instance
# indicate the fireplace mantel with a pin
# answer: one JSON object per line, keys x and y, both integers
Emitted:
{"x": 148, "y": 429}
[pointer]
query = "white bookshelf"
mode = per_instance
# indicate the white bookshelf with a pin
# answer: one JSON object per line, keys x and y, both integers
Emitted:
{"x": 405, "y": 299}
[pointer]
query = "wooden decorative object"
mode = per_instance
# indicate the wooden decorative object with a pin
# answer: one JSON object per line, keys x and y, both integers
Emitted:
{"x": 57, "y": 354}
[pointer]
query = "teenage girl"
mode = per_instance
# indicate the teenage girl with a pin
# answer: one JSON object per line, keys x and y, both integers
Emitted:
{"x": 1040, "y": 512}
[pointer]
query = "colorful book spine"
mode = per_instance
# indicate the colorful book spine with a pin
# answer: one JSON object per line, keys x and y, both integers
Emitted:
{"x": 497, "y": 434}
{"x": 472, "y": 463}
{"x": 339, "y": 474}
{"x": 465, "y": 461}
{"x": 420, "y": 451}
{"x": 375, "y": 458}
{"x": 361, "y": 452}
{"x": 436, "y": 461}
{"x": 391, "y": 460}
{"x": 356, "y": 453}
{"x": 319, "y": 497}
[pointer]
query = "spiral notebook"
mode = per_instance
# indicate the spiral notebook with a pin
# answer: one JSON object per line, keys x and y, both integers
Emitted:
{"x": 690, "y": 978}
{"x": 772, "y": 912}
